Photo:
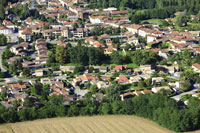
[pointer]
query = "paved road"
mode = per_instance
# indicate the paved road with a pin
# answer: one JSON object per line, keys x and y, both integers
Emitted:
{"x": 1, "y": 66}
{"x": 178, "y": 97}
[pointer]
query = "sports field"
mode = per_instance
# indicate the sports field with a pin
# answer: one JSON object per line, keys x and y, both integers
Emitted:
{"x": 86, "y": 124}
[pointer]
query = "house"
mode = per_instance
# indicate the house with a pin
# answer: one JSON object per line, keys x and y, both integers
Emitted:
{"x": 120, "y": 68}
{"x": 137, "y": 93}
{"x": 98, "y": 44}
{"x": 67, "y": 68}
{"x": 45, "y": 81}
{"x": 122, "y": 79}
{"x": 101, "y": 69}
{"x": 90, "y": 41}
{"x": 98, "y": 19}
{"x": 144, "y": 32}
{"x": 196, "y": 67}
{"x": 25, "y": 33}
{"x": 105, "y": 37}
{"x": 197, "y": 50}
{"x": 163, "y": 53}
{"x": 80, "y": 32}
{"x": 61, "y": 43}
{"x": 157, "y": 89}
{"x": 18, "y": 87}
{"x": 126, "y": 96}
{"x": 151, "y": 38}
{"x": 20, "y": 49}
{"x": 6, "y": 31}
{"x": 157, "y": 80}
{"x": 100, "y": 84}
{"x": 146, "y": 92}
{"x": 110, "y": 49}
{"x": 133, "y": 28}
{"x": 9, "y": 24}
{"x": 12, "y": 59}
{"x": 39, "y": 72}
{"x": 135, "y": 79}
{"x": 106, "y": 77}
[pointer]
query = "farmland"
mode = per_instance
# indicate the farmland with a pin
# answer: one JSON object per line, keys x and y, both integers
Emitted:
{"x": 106, "y": 124}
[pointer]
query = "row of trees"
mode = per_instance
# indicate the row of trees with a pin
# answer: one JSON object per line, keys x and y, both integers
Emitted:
{"x": 95, "y": 56}
{"x": 79, "y": 55}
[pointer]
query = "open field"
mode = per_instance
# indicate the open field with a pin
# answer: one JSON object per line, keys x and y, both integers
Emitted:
{"x": 86, "y": 124}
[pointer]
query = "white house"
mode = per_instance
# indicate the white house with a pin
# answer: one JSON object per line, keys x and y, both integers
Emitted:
{"x": 5, "y": 30}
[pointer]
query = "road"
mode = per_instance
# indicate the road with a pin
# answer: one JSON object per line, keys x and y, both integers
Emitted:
{"x": 1, "y": 66}
{"x": 11, "y": 78}
{"x": 178, "y": 97}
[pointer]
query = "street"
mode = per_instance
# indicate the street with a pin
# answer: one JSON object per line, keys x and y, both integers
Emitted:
{"x": 178, "y": 97}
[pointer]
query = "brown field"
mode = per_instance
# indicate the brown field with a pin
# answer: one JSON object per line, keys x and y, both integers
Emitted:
{"x": 86, "y": 124}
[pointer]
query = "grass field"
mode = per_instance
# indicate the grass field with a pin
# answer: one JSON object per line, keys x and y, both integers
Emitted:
{"x": 158, "y": 21}
{"x": 86, "y": 124}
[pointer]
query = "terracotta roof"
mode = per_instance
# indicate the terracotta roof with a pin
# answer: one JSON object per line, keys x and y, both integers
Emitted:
{"x": 18, "y": 86}
{"x": 98, "y": 44}
{"x": 120, "y": 67}
{"x": 90, "y": 40}
{"x": 196, "y": 65}
{"x": 156, "y": 50}
{"x": 122, "y": 78}
{"x": 119, "y": 12}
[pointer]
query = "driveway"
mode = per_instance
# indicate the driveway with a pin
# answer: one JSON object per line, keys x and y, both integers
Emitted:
{"x": 178, "y": 97}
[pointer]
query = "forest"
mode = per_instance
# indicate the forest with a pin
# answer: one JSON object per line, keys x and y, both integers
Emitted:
{"x": 148, "y": 9}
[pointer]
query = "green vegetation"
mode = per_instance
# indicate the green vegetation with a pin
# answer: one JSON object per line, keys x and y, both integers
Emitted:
{"x": 149, "y": 9}
{"x": 156, "y": 107}
{"x": 3, "y": 40}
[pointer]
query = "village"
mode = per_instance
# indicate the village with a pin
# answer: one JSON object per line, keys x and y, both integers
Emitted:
{"x": 71, "y": 22}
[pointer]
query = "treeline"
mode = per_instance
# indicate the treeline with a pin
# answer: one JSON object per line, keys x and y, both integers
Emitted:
{"x": 78, "y": 55}
{"x": 81, "y": 55}
{"x": 156, "y": 107}
{"x": 192, "y": 6}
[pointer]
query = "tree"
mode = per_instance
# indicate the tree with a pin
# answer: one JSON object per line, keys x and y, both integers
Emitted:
{"x": 2, "y": 15}
{"x": 113, "y": 93}
{"x": 142, "y": 84}
{"x": 106, "y": 108}
{"x": 117, "y": 107}
{"x": 180, "y": 20}
{"x": 26, "y": 72}
{"x": 94, "y": 88}
{"x": 3, "y": 40}
{"x": 75, "y": 26}
{"x": 116, "y": 58}
{"x": 27, "y": 114}
{"x": 62, "y": 55}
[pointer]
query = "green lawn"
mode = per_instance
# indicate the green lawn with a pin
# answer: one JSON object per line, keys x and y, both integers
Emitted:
{"x": 132, "y": 65}
{"x": 157, "y": 21}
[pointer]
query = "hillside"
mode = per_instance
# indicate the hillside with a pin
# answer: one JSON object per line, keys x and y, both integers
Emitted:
{"x": 106, "y": 124}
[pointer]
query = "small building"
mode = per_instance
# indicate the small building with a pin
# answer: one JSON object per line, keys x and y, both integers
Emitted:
{"x": 39, "y": 72}
{"x": 157, "y": 89}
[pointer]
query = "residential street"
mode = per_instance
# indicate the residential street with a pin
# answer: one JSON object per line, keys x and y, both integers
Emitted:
{"x": 178, "y": 97}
